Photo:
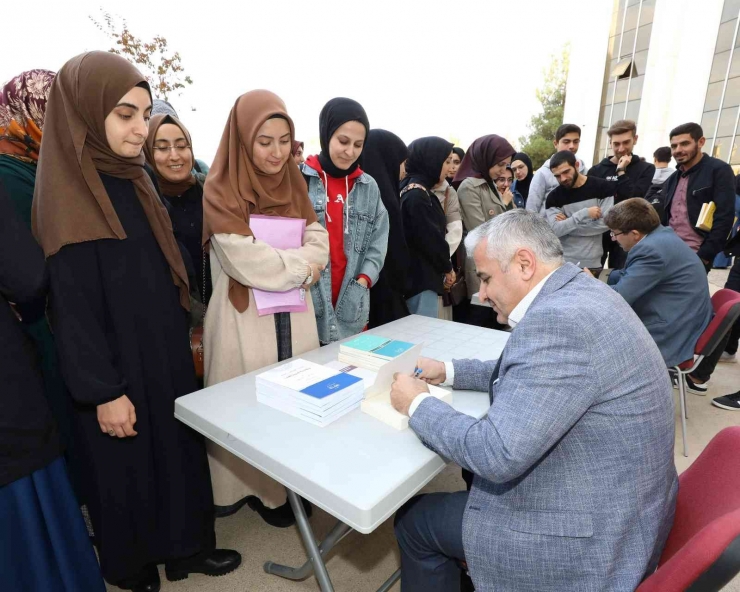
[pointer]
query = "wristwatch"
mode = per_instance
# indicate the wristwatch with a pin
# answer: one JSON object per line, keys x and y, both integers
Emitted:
{"x": 309, "y": 279}
{"x": 621, "y": 171}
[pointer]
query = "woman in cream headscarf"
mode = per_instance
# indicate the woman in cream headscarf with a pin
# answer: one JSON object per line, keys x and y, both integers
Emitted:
{"x": 254, "y": 173}
{"x": 119, "y": 296}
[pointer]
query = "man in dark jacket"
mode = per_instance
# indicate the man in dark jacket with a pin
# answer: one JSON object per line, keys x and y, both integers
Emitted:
{"x": 624, "y": 163}
{"x": 699, "y": 179}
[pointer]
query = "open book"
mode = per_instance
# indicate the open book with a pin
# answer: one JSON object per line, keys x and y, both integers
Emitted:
{"x": 377, "y": 401}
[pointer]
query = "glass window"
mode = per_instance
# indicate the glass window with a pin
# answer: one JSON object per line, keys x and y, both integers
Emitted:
{"x": 732, "y": 93}
{"x": 621, "y": 95}
{"x": 643, "y": 37}
{"x": 727, "y": 122}
{"x": 630, "y": 20}
{"x": 708, "y": 123}
{"x": 640, "y": 63}
{"x": 617, "y": 19}
{"x": 636, "y": 88}
{"x": 730, "y": 10}
{"x": 622, "y": 69}
{"x": 633, "y": 110}
{"x": 628, "y": 43}
{"x": 714, "y": 94}
{"x": 608, "y": 94}
{"x": 618, "y": 112}
{"x": 735, "y": 66}
{"x": 648, "y": 12}
{"x": 719, "y": 66}
{"x": 726, "y": 36}
{"x": 721, "y": 148}
{"x": 735, "y": 154}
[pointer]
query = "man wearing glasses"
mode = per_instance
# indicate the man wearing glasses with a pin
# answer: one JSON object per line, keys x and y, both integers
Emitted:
{"x": 663, "y": 280}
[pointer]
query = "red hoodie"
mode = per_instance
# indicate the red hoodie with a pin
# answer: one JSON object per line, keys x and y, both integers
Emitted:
{"x": 336, "y": 196}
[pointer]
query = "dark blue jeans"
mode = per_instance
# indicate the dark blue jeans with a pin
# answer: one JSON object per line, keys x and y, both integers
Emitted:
{"x": 429, "y": 533}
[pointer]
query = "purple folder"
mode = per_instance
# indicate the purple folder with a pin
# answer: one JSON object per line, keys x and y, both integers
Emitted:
{"x": 279, "y": 233}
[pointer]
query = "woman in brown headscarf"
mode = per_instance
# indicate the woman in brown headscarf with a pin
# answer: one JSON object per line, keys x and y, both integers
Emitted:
{"x": 119, "y": 298}
{"x": 254, "y": 173}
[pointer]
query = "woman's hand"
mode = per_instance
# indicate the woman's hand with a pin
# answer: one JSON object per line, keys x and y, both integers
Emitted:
{"x": 117, "y": 418}
{"x": 450, "y": 279}
{"x": 507, "y": 197}
{"x": 315, "y": 270}
{"x": 363, "y": 282}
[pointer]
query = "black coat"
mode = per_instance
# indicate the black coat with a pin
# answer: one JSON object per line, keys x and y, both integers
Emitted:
{"x": 710, "y": 179}
{"x": 424, "y": 224}
{"x": 120, "y": 329}
{"x": 28, "y": 436}
{"x": 637, "y": 178}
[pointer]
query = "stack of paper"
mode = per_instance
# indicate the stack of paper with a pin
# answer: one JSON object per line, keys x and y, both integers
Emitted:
{"x": 371, "y": 351}
{"x": 312, "y": 392}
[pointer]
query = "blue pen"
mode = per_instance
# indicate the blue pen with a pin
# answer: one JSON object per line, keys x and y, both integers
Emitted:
{"x": 417, "y": 372}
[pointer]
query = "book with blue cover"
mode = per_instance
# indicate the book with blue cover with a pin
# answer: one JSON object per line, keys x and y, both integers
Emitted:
{"x": 372, "y": 351}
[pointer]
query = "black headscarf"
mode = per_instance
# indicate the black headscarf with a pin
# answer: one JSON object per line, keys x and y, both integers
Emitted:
{"x": 460, "y": 154}
{"x": 381, "y": 159}
{"x": 426, "y": 157}
{"x": 334, "y": 115}
{"x": 523, "y": 185}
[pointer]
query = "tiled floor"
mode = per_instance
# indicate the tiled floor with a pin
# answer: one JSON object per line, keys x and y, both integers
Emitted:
{"x": 362, "y": 563}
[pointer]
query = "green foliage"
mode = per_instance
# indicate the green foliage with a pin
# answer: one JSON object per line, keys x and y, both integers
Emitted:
{"x": 542, "y": 127}
{"x": 163, "y": 72}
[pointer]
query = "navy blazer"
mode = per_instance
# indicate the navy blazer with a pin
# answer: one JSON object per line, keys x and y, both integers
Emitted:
{"x": 666, "y": 285}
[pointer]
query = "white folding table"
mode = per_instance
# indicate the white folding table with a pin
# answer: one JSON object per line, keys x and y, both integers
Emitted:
{"x": 357, "y": 469}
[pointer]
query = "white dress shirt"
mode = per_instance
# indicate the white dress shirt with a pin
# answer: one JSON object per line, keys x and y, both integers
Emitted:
{"x": 515, "y": 317}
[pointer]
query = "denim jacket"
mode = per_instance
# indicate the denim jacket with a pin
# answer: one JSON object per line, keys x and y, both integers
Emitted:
{"x": 365, "y": 246}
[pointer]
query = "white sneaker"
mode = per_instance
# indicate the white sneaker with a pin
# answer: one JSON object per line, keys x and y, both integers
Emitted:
{"x": 728, "y": 358}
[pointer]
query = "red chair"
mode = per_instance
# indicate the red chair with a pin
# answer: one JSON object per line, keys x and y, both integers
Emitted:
{"x": 726, "y": 305}
{"x": 702, "y": 553}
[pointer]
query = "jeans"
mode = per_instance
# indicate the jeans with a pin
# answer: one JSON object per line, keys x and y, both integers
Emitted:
{"x": 429, "y": 533}
{"x": 424, "y": 304}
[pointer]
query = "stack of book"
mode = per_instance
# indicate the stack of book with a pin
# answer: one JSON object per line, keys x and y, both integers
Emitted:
{"x": 312, "y": 392}
{"x": 372, "y": 351}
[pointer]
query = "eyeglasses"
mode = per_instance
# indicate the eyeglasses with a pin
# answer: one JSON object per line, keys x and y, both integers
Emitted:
{"x": 615, "y": 234}
{"x": 504, "y": 180}
{"x": 179, "y": 148}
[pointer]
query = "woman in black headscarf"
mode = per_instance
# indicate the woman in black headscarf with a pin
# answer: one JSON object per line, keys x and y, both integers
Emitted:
{"x": 348, "y": 204}
{"x": 521, "y": 166}
{"x": 381, "y": 159}
{"x": 455, "y": 161}
{"x": 424, "y": 223}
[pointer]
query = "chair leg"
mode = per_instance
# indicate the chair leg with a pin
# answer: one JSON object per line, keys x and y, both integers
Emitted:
{"x": 682, "y": 399}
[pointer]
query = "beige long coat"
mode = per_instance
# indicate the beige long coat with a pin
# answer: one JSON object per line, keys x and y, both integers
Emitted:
{"x": 237, "y": 343}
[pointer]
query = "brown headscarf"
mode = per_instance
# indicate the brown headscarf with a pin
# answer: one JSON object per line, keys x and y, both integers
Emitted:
{"x": 70, "y": 204}
{"x": 235, "y": 188}
{"x": 169, "y": 188}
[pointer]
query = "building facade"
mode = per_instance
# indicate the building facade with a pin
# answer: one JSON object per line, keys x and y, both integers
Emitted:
{"x": 660, "y": 63}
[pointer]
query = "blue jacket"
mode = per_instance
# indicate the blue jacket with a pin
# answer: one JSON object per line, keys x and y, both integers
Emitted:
{"x": 575, "y": 485}
{"x": 666, "y": 285}
{"x": 365, "y": 247}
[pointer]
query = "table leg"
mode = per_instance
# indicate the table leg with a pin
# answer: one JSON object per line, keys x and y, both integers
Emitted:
{"x": 315, "y": 552}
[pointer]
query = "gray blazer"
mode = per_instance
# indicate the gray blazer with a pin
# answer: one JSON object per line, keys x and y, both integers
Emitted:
{"x": 575, "y": 485}
{"x": 665, "y": 283}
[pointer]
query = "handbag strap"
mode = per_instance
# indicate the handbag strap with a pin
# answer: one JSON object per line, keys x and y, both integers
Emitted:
{"x": 447, "y": 194}
{"x": 411, "y": 186}
{"x": 205, "y": 304}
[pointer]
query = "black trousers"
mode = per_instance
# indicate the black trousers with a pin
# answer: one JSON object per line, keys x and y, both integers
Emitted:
{"x": 733, "y": 283}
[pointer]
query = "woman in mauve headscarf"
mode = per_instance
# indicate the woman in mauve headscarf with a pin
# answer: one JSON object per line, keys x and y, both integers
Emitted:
{"x": 119, "y": 296}
{"x": 297, "y": 152}
{"x": 254, "y": 174}
{"x": 382, "y": 157}
{"x": 480, "y": 200}
{"x": 42, "y": 532}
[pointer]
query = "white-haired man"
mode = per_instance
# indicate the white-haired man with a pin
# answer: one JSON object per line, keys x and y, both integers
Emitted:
{"x": 574, "y": 485}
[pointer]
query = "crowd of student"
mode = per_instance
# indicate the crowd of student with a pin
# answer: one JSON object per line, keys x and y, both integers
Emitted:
{"x": 118, "y": 239}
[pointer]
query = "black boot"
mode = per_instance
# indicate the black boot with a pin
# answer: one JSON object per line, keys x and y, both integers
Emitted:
{"x": 281, "y": 517}
{"x": 146, "y": 581}
{"x": 218, "y": 562}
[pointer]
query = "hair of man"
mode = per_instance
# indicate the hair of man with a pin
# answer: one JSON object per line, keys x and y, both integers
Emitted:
{"x": 633, "y": 214}
{"x": 663, "y": 154}
{"x": 565, "y": 129}
{"x": 622, "y": 127}
{"x": 562, "y": 157}
{"x": 514, "y": 230}
{"x": 693, "y": 129}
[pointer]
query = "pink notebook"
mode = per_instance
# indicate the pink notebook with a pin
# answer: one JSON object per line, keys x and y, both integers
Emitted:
{"x": 280, "y": 233}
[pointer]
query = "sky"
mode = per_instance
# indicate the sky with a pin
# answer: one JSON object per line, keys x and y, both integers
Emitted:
{"x": 457, "y": 69}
